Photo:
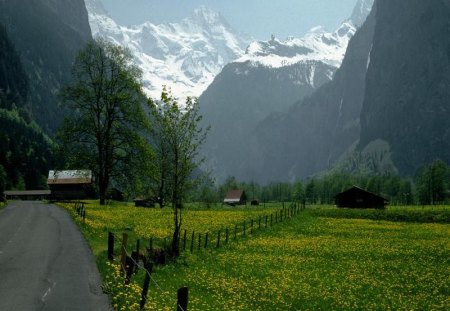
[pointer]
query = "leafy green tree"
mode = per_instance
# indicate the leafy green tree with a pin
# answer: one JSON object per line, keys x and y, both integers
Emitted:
{"x": 182, "y": 137}
{"x": 311, "y": 192}
{"x": 406, "y": 192}
{"x": 431, "y": 183}
{"x": 106, "y": 98}
{"x": 299, "y": 192}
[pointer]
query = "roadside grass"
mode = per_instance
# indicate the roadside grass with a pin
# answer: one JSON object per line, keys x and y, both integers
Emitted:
{"x": 324, "y": 259}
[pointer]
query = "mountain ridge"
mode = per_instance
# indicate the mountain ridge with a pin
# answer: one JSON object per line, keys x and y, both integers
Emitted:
{"x": 185, "y": 56}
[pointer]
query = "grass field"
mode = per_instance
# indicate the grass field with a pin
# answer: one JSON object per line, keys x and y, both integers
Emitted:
{"x": 323, "y": 259}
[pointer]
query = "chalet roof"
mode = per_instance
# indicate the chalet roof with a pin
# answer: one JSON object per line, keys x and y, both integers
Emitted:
{"x": 234, "y": 196}
{"x": 358, "y": 189}
{"x": 69, "y": 177}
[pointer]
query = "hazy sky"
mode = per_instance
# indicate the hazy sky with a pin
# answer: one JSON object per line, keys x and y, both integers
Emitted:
{"x": 258, "y": 18}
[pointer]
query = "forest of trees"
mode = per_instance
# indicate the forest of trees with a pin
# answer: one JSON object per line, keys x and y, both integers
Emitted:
{"x": 430, "y": 185}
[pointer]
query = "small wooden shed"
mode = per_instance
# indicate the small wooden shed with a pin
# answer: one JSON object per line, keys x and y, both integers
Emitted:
{"x": 357, "y": 197}
{"x": 235, "y": 197}
{"x": 71, "y": 185}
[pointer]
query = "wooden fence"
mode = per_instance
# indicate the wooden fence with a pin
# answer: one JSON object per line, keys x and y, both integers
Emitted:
{"x": 189, "y": 241}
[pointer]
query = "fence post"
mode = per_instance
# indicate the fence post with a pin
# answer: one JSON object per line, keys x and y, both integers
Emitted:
{"x": 192, "y": 241}
{"x": 84, "y": 216}
{"x": 184, "y": 239}
{"x": 251, "y": 227}
{"x": 259, "y": 222}
{"x": 271, "y": 214}
{"x": 129, "y": 269}
{"x": 151, "y": 244}
{"x": 244, "y": 227}
{"x": 235, "y": 231}
{"x": 226, "y": 236}
{"x": 206, "y": 239}
{"x": 199, "y": 240}
{"x": 123, "y": 257}
{"x": 138, "y": 244}
{"x": 218, "y": 239}
{"x": 182, "y": 299}
{"x": 149, "y": 268}
{"x": 110, "y": 246}
{"x": 266, "y": 221}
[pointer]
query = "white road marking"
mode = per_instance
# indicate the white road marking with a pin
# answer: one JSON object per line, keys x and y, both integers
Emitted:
{"x": 47, "y": 292}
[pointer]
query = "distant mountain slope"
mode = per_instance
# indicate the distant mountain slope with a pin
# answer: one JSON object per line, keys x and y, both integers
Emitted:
{"x": 185, "y": 56}
{"x": 316, "y": 131}
{"x": 13, "y": 81}
{"x": 25, "y": 152}
{"x": 407, "y": 98}
{"x": 47, "y": 35}
{"x": 269, "y": 78}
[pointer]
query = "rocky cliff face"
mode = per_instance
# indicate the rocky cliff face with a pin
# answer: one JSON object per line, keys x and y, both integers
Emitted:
{"x": 407, "y": 98}
{"x": 47, "y": 35}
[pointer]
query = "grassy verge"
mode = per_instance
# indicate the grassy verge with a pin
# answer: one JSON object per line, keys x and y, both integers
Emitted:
{"x": 326, "y": 258}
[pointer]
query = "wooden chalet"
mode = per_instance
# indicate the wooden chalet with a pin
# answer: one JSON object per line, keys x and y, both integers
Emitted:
{"x": 356, "y": 197}
{"x": 235, "y": 197}
{"x": 71, "y": 185}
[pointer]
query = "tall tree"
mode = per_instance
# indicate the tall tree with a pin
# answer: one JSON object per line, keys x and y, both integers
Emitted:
{"x": 431, "y": 183}
{"x": 180, "y": 136}
{"x": 106, "y": 98}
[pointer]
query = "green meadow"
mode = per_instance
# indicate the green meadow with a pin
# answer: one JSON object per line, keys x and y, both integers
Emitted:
{"x": 323, "y": 258}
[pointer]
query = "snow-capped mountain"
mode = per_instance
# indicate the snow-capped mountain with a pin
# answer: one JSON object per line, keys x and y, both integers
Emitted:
{"x": 185, "y": 56}
{"x": 317, "y": 45}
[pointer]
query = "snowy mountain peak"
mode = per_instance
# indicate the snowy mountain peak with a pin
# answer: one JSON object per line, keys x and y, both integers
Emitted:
{"x": 317, "y": 45}
{"x": 206, "y": 16}
{"x": 185, "y": 56}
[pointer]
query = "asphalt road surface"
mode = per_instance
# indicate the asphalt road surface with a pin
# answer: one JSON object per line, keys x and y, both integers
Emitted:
{"x": 45, "y": 263}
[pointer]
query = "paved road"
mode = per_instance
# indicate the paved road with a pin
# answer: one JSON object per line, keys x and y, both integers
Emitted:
{"x": 45, "y": 263}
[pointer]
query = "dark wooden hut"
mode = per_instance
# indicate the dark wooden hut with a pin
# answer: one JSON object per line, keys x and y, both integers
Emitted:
{"x": 356, "y": 197}
{"x": 71, "y": 185}
{"x": 235, "y": 197}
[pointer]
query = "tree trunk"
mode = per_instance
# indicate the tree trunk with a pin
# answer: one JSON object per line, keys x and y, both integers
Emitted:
{"x": 102, "y": 188}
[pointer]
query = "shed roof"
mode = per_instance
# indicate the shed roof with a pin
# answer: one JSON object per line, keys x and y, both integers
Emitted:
{"x": 234, "y": 196}
{"x": 358, "y": 189}
{"x": 69, "y": 177}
